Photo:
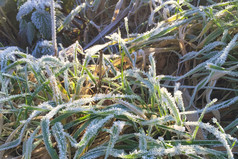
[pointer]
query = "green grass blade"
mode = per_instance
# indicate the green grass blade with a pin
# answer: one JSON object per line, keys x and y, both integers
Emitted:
{"x": 45, "y": 123}
{"x": 58, "y": 133}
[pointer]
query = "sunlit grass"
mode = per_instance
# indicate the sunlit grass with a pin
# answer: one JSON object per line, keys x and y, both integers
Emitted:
{"x": 126, "y": 106}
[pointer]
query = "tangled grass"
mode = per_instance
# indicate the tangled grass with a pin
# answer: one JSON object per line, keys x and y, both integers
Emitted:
{"x": 145, "y": 93}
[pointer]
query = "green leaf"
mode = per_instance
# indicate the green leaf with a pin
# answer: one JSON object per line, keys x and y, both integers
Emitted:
{"x": 10, "y": 144}
{"x": 169, "y": 102}
{"x": 42, "y": 21}
{"x": 90, "y": 132}
{"x": 142, "y": 141}
{"x": 114, "y": 131}
{"x": 94, "y": 153}
{"x": 7, "y": 99}
{"x": 61, "y": 140}
{"x": 29, "y": 144}
{"x": 45, "y": 123}
{"x": 30, "y": 32}
{"x": 71, "y": 16}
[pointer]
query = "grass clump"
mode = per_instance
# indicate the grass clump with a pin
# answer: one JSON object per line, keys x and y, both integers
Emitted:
{"x": 118, "y": 117}
{"x": 144, "y": 94}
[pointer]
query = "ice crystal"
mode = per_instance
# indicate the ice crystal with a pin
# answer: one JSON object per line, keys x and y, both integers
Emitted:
{"x": 225, "y": 52}
{"x": 60, "y": 138}
{"x": 29, "y": 5}
{"x": 115, "y": 131}
{"x": 42, "y": 21}
{"x": 132, "y": 108}
{"x": 169, "y": 102}
{"x": 39, "y": 20}
{"x": 43, "y": 48}
{"x": 214, "y": 120}
{"x": 8, "y": 54}
{"x": 178, "y": 150}
{"x": 159, "y": 120}
{"x": 219, "y": 135}
{"x": 160, "y": 138}
{"x": 179, "y": 128}
{"x": 5, "y": 99}
{"x": 92, "y": 129}
{"x": 149, "y": 138}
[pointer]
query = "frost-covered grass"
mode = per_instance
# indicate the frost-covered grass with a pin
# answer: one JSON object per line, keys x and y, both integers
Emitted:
{"x": 122, "y": 106}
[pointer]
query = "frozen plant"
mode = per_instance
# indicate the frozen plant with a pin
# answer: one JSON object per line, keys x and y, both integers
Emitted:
{"x": 43, "y": 48}
{"x": 35, "y": 20}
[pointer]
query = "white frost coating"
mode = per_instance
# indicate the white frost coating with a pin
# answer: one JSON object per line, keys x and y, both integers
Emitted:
{"x": 96, "y": 98}
{"x": 53, "y": 82}
{"x": 53, "y": 27}
{"x": 142, "y": 140}
{"x": 33, "y": 114}
{"x": 5, "y": 99}
{"x": 25, "y": 9}
{"x": 79, "y": 109}
{"x": 44, "y": 47}
{"x": 54, "y": 111}
{"x": 160, "y": 138}
{"x": 225, "y": 52}
{"x": 159, "y": 28}
{"x": 45, "y": 105}
{"x": 179, "y": 128}
{"x": 29, "y": 142}
{"x": 58, "y": 132}
{"x": 47, "y": 128}
{"x": 119, "y": 111}
{"x": 113, "y": 37}
{"x": 8, "y": 54}
{"x": 151, "y": 139}
{"x": 152, "y": 67}
{"x": 159, "y": 120}
{"x": 47, "y": 59}
{"x": 92, "y": 130}
{"x": 214, "y": 120}
{"x": 132, "y": 108}
{"x": 96, "y": 124}
{"x": 77, "y": 104}
{"x": 115, "y": 131}
{"x": 206, "y": 48}
{"x": 57, "y": 95}
{"x": 30, "y": 5}
{"x": 169, "y": 102}
{"x": 179, "y": 100}
{"x": 136, "y": 73}
{"x": 71, "y": 139}
{"x": 178, "y": 150}
{"x": 214, "y": 107}
{"x": 221, "y": 70}
{"x": 120, "y": 125}
{"x": 219, "y": 135}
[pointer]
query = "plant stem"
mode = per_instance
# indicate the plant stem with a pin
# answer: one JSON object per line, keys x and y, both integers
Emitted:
{"x": 53, "y": 28}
